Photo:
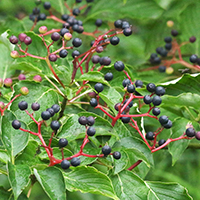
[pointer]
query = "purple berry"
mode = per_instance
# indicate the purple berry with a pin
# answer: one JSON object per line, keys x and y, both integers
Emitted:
{"x": 21, "y": 77}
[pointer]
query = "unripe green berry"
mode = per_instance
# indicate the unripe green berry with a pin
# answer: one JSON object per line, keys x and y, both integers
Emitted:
{"x": 43, "y": 29}
{"x": 14, "y": 54}
{"x": 2, "y": 105}
{"x": 8, "y": 82}
{"x": 24, "y": 90}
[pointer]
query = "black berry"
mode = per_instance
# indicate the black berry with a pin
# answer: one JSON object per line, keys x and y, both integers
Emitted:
{"x": 192, "y": 39}
{"x": 65, "y": 17}
{"x": 93, "y": 102}
{"x": 156, "y": 100}
{"x": 63, "y": 53}
{"x": 114, "y": 40}
{"x": 90, "y": 120}
{"x": 108, "y": 76}
{"x": 55, "y": 125}
{"x": 98, "y": 22}
{"x": 91, "y": 131}
{"x": 47, "y": 5}
{"x": 193, "y": 58}
{"x": 162, "y": 68}
{"x": 190, "y": 132}
{"x": 56, "y": 108}
{"x": 126, "y": 82}
{"x": 119, "y": 66}
{"x": 151, "y": 87}
{"x": 156, "y": 111}
{"x": 106, "y": 150}
{"x": 174, "y": 33}
{"x": 75, "y": 161}
{"x": 65, "y": 164}
{"x": 105, "y": 61}
{"x": 168, "y": 39}
{"x": 125, "y": 24}
{"x": 163, "y": 119}
{"x": 117, "y": 106}
{"x": 160, "y": 91}
{"x": 161, "y": 142}
{"x": 147, "y": 99}
{"x": 42, "y": 16}
{"x": 168, "y": 46}
{"x": 77, "y": 42}
{"x": 45, "y": 115}
{"x": 36, "y": 11}
{"x": 168, "y": 124}
{"x": 150, "y": 135}
{"x": 130, "y": 88}
{"x": 82, "y": 120}
{"x": 116, "y": 155}
{"x": 125, "y": 119}
{"x": 23, "y": 105}
{"x": 62, "y": 142}
{"x": 16, "y": 124}
{"x": 138, "y": 83}
{"x": 55, "y": 36}
{"x": 127, "y": 31}
{"x": 63, "y": 31}
{"x": 118, "y": 23}
{"x": 95, "y": 59}
{"x": 35, "y": 106}
{"x": 130, "y": 104}
{"x": 99, "y": 87}
{"x": 76, "y": 11}
{"x": 75, "y": 53}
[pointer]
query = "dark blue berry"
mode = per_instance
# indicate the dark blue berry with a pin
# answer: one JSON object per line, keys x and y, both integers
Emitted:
{"x": 91, "y": 131}
{"x": 90, "y": 121}
{"x": 23, "y": 105}
{"x": 190, "y": 132}
{"x": 75, "y": 161}
{"x": 93, "y": 102}
{"x": 106, "y": 150}
{"x": 62, "y": 142}
{"x": 16, "y": 124}
{"x": 65, "y": 164}
{"x": 55, "y": 125}
{"x": 108, "y": 76}
{"x": 147, "y": 99}
{"x": 156, "y": 100}
{"x": 45, "y": 115}
{"x": 116, "y": 155}
{"x": 150, "y": 135}
{"x": 119, "y": 66}
{"x": 99, "y": 87}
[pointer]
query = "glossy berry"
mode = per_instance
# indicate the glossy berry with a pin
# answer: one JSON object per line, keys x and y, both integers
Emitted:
{"x": 163, "y": 52}
{"x": 16, "y": 124}
{"x": 13, "y": 39}
{"x": 53, "y": 57}
{"x": 116, "y": 155}
{"x": 168, "y": 124}
{"x": 93, "y": 102}
{"x": 150, "y": 135}
{"x": 160, "y": 91}
{"x": 56, "y": 108}
{"x": 156, "y": 100}
{"x": 67, "y": 36}
{"x": 14, "y": 54}
{"x": 105, "y": 61}
{"x": 168, "y": 46}
{"x": 192, "y": 39}
{"x": 36, "y": 11}
{"x": 151, "y": 87}
{"x": 51, "y": 111}
{"x": 125, "y": 120}
{"x": 106, "y": 150}
{"x": 193, "y": 58}
{"x": 91, "y": 131}
{"x": 114, "y": 40}
{"x": 117, "y": 106}
{"x": 23, "y": 105}
{"x": 55, "y": 36}
{"x": 27, "y": 40}
{"x": 95, "y": 59}
{"x": 108, "y": 76}
{"x": 75, "y": 53}
{"x": 98, "y": 22}
{"x": 65, "y": 164}
{"x": 21, "y": 77}
{"x": 55, "y": 125}
{"x": 76, "y": 42}
{"x": 162, "y": 68}
{"x": 190, "y": 132}
{"x": 197, "y": 135}
{"x": 156, "y": 111}
{"x": 174, "y": 33}
{"x": 99, "y": 87}
{"x": 127, "y": 31}
{"x": 63, "y": 53}
{"x": 163, "y": 119}
{"x": 138, "y": 83}
{"x": 63, "y": 31}
{"x": 125, "y": 24}
{"x": 22, "y": 36}
{"x": 161, "y": 142}
{"x": 99, "y": 49}
{"x": 35, "y": 106}
{"x": 126, "y": 82}
{"x": 7, "y": 82}
{"x": 157, "y": 60}
{"x": 47, "y": 5}
{"x": 75, "y": 161}
{"x": 42, "y": 16}
{"x": 147, "y": 99}
{"x": 90, "y": 120}
{"x": 168, "y": 39}
{"x": 130, "y": 88}
{"x": 66, "y": 25}
{"x": 65, "y": 17}
{"x": 119, "y": 66}
{"x": 118, "y": 23}
{"x": 62, "y": 142}
{"x": 82, "y": 120}
{"x": 45, "y": 115}
{"x": 76, "y": 11}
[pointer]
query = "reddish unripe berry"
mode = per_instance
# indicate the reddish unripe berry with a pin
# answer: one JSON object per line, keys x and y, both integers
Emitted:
{"x": 8, "y": 82}
{"x": 170, "y": 23}
{"x": 43, "y": 29}
{"x": 22, "y": 36}
{"x": 14, "y": 54}
{"x": 13, "y": 39}
{"x": 197, "y": 136}
{"x": 68, "y": 36}
{"x": 24, "y": 90}
{"x": 37, "y": 78}
{"x": 21, "y": 77}
{"x": 53, "y": 57}
{"x": 99, "y": 49}
{"x": 27, "y": 40}
{"x": 92, "y": 94}
{"x": 2, "y": 105}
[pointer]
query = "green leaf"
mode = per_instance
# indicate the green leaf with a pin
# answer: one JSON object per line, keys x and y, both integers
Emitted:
{"x": 52, "y": 181}
{"x": 167, "y": 191}
{"x": 4, "y": 194}
{"x": 88, "y": 179}
{"x": 26, "y": 66}
{"x": 5, "y": 59}
{"x": 14, "y": 140}
{"x": 58, "y": 5}
{"x": 19, "y": 177}
{"x": 4, "y": 156}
